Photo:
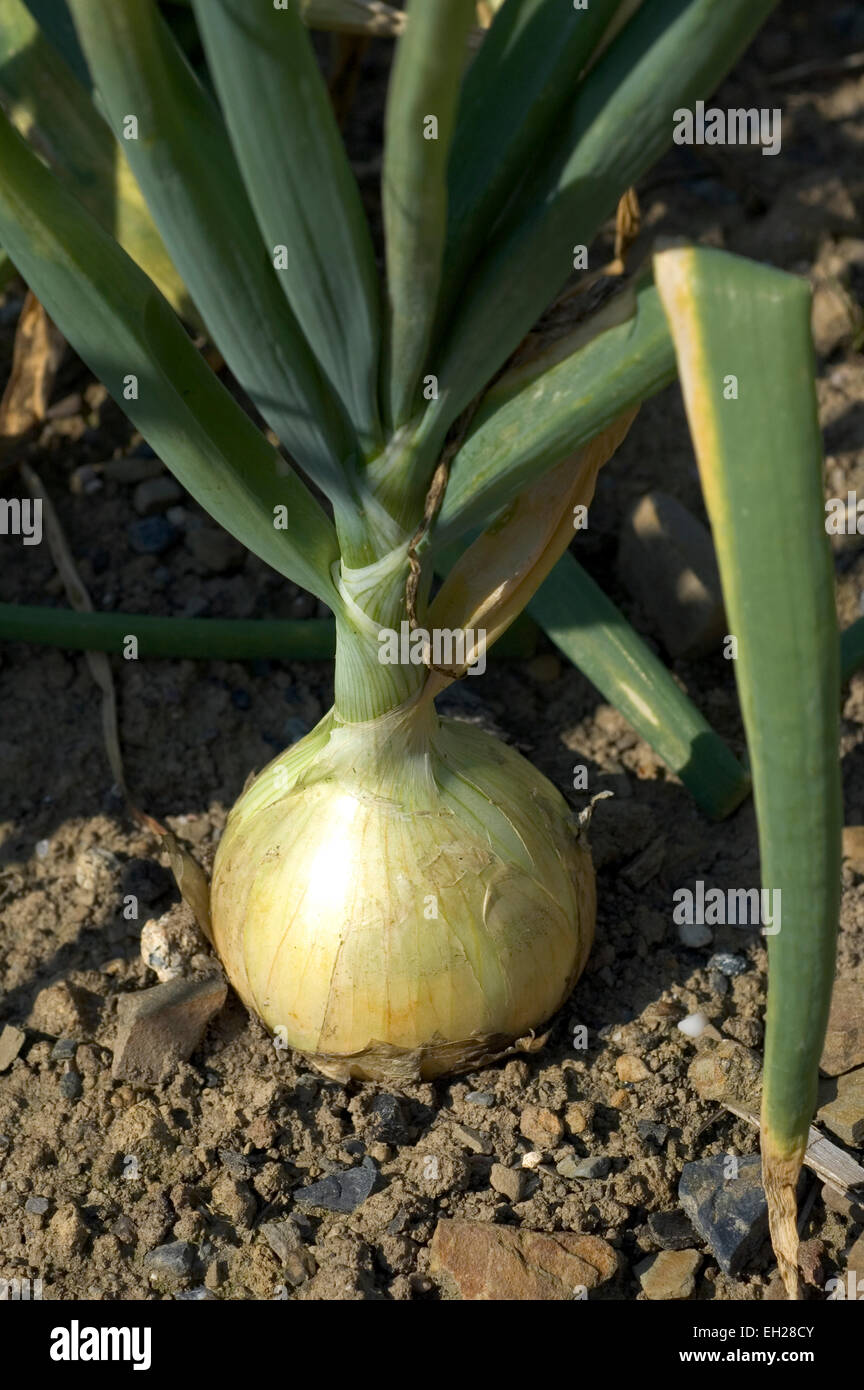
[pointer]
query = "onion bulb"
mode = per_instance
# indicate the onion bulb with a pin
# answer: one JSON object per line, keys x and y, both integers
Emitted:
{"x": 401, "y": 898}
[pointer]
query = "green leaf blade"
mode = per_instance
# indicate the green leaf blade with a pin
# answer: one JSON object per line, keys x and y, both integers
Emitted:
{"x": 424, "y": 86}
{"x": 742, "y": 336}
{"x": 128, "y": 335}
{"x": 184, "y": 163}
{"x": 303, "y": 191}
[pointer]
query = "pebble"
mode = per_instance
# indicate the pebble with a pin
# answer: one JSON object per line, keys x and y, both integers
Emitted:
{"x": 671, "y": 1230}
{"x": 669, "y": 1275}
{"x": 693, "y": 1025}
{"x": 344, "y": 1191}
{"x": 472, "y": 1139}
{"x": 597, "y": 1167}
{"x": 510, "y": 1182}
{"x": 481, "y": 1261}
{"x": 576, "y": 1118}
{"x": 485, "y": 1098}
{"x": 132, "y": 470}
{"x": 725, "y": 1070}
{"x": 286, "y": 1242}
{"x": 653, "y": 1131}
{"x": 727, "y": 1206}
{"x": 844, "y": 1040}
{"x": 156, "y": 495}
{"x": 388, "y": 1120}
{"x": 151, "y": 536}
{"x": 843, "y": 1113}
{"x": 71, "y": 1085}
{"x": 631, "y": 1069}
{"x": 159, "y": 1027}
{"x": 12, "y": 1040}
{"x": 620, "y": 1100}
{"x": 64, "y": 1050}
{"x": 728, "y": 964}
{"x": 37, "y": 1205}
{"x": 541, "y": 1126}
{"x": 214, "y": 550}
{"x": 201, "y": 1294}
{"x": 173, "y": 1261}
{"x": 694, "y": 934}
{"x": 532, "y": 1159}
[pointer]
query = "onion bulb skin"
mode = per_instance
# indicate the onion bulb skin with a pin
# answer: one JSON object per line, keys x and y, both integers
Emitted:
{"x": 401, "y": 898}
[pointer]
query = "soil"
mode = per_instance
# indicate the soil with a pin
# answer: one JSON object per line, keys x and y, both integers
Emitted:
{"x": 226, "y": 1146}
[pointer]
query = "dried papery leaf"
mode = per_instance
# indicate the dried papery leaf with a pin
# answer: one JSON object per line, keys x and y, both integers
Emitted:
{"x": 190, "y": 878}
{"x": 492, "y": 582}
{"x": 36, "y": 357}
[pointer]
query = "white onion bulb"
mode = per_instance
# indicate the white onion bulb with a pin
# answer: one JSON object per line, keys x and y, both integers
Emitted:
{"x": 401, "y": 898}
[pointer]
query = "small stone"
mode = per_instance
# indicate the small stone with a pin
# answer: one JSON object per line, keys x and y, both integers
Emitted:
{"x": 155, "y": 495}
{"x": 723, "y": 1197}
{"x": 671, "y": 1230}
{"x": 132, "y": 470}
{"x": 12, "y": 1040}
{"x": 620, "y": 1100}
{"x": 286, "y": 1242}
{"x": 172, "y": 1262}
{"x": 214, "y": 550}
{"x": 532, "y": 1159}
{"x": 68, "y": 1232}
{"x": 200, "y": 1294}
{"x": 159, "y": 1027}
{"x": 484, "y": 1098}
{"x": 344, "y": 1191}
{"x": 843, "y": 1111}
{"x": 666, "y": 559}
{"x": 151, "y": 536}
{"x": 844, "y": 1203}
{"x": 631, "y": 1069}
{"x": 725, "y": 1069}
{"x": 844, "y": 1041}
{"x": 64, "y": 1050}
{"x": 728, "y": 964}
{"x": 479, "y": 1261}
{"x": 170, "y": 943}
{"x": 71, "y": 1085}
{"x": 853, "y": 847}
{"x": 234, "y": 1199}
{"x": 653, "y": 1131}
{"x": 510, "y": 1182}
{"x": 669, "y": 1275}
{"x": 541, "y": 1127}
{"x": 576, "y": 1118}
{"x": 124, "y": 1229}
{"x": 388, "y": 1120}
{"x": 694, "y": 934}
{"x": 472, "y": 1139}
{"x": 38, "y": 1206}
{"x": 597, "y": 1167}
{"x": 693, "y": 1026}
{"x": 62, "y": 1009}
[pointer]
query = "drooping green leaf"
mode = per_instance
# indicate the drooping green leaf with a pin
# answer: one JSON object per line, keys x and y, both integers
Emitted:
{"x": 130, "y": 338}
{"x": 180, "y": 153}
{"x": 421, "y": 108}
{"x": 525, "y": 73}
{"x": 587, "y": 627}
{"x": 55, "y": 21}
{"x": 46, "y": 101}
{"x": 671, "y": 53}
{"x": 745, "y": 357}
{"x": 302, "y": 189}
{"x": 539, "y": 413}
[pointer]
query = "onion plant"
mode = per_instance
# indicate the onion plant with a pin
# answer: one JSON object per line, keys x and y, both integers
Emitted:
{"x": 400, "y": 894}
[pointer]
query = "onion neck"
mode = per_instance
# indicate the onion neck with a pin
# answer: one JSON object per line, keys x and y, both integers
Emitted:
{"x": 373, "y": 602}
